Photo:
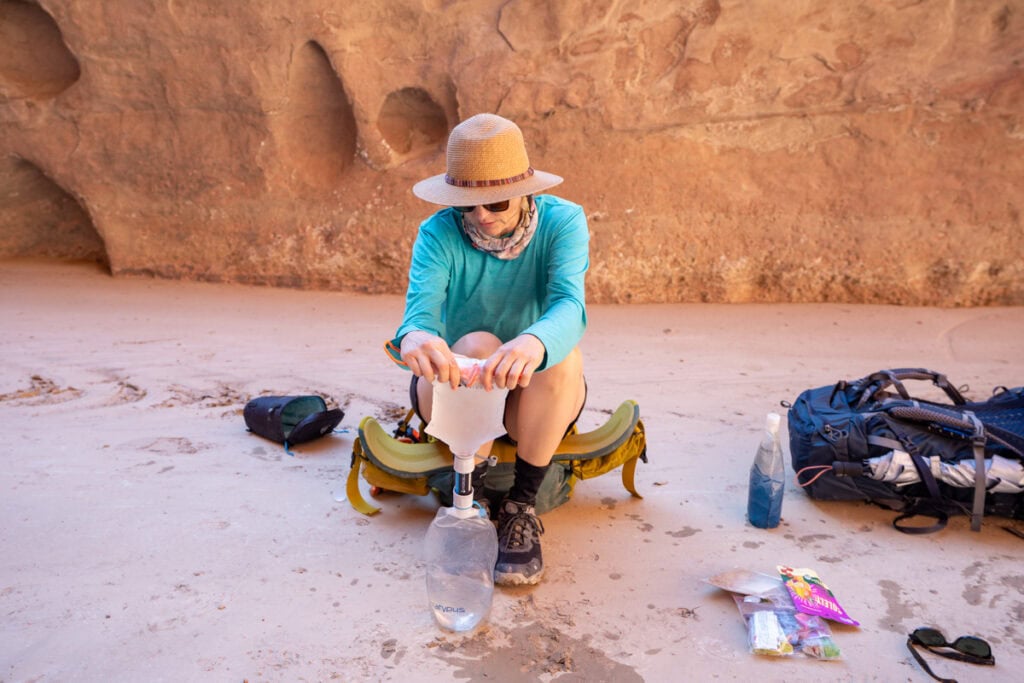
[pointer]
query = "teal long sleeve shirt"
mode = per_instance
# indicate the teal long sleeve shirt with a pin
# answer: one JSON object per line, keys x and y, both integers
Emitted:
{"x": 455, "y": 289}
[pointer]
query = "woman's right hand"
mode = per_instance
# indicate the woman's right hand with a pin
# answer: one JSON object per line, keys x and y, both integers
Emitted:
{"x": 427, "y": 355}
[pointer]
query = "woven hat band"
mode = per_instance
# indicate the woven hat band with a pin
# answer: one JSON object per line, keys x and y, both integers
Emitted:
{"x": 488, "y": 183}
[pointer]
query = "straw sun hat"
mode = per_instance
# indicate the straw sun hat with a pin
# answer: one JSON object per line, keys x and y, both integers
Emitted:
{"x": 487, "y": 163}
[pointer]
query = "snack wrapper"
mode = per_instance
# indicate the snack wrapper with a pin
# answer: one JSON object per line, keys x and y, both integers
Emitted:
{"x": 776, "y": 629}
{"x": 746, "y": 582}
{"x": 811, "y": 596}
{"x": 766, "y": 636}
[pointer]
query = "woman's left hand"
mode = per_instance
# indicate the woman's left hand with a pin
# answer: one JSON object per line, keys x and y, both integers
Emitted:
{"x": 512, "y": 365}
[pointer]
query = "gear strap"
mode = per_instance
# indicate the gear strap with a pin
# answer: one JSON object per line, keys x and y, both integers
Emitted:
{"x": 978, "y": 443}
{"x": 355, "y": 497}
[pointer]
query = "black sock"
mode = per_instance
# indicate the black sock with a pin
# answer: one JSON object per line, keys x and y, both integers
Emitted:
{"x": 528, "y": 479}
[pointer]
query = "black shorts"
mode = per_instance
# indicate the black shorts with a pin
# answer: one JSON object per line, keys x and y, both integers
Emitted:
{"x": 414, "y": 400}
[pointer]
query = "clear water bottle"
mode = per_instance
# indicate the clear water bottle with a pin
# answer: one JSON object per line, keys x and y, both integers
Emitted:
{"x": 767, "y": 478}
{"x": 461, "y": 548}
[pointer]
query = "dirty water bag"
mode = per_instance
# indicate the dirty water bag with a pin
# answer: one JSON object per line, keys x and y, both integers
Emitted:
{"x": 291, "y": 419}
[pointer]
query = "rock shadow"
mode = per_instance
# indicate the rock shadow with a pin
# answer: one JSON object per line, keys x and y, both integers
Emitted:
{"x": 41, "y": 219}
{"x": 410, "y": 121}
{"x": 35, "y": 63}
{"x": 318, "y": 133}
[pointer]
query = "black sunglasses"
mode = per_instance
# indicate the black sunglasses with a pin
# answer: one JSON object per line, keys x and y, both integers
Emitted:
{"x": 969, "y": 649}
{"x": 496, "y": 207}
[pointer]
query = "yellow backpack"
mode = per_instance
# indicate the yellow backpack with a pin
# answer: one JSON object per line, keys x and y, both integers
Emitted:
{"x": 406, "y": 463}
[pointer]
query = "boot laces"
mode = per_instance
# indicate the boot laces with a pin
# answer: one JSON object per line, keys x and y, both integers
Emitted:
{"x": 519, "y": 527}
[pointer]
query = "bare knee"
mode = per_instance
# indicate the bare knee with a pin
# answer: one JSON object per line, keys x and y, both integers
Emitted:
{"x": 553, "y": 398}
{"x": 477, "y": 345}
{"x": 568, "y": 372}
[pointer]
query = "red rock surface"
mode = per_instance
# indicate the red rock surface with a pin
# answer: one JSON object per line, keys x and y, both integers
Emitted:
{"x": 724, "y": 151}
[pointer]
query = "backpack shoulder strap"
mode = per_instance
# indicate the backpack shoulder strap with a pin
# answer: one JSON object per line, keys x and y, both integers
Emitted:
{"x": 619, "y": 441}
{"x": 355, "y": 497}
{"x": 603, "y": 440}
{"x": 400, "y": 458}
{"x": 966, "y": 425}
{"x": 980, "y": 477}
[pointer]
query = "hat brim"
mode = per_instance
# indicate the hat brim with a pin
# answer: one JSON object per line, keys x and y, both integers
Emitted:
{"x": 437, "y": 191}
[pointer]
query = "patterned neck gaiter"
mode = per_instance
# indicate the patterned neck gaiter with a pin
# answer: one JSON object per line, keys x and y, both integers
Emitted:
{"x": 508, "y": 247}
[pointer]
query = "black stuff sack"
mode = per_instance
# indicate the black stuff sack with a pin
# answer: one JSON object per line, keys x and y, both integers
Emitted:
{"x": 291, "y": 419}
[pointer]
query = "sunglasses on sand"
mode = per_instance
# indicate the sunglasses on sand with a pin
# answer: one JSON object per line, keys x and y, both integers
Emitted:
{"x": 969, "y": 649}
{"x": 496, "y": 207}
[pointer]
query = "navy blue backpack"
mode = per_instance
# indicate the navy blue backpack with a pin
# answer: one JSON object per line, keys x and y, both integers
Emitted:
{"x": 870, "y": 440}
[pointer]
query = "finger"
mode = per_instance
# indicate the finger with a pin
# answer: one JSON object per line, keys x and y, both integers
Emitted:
{"x": 425, "y": 369}
{"x": 530, "y": 366}
{"x": 501, "y": 374}
{"x": 506, "y": 371}
{"x": 487, "y": 373}
{"x": 442, "y": 371}
{"x": 516, "y": 364}
{"x": 493, "y": 372}
{"x": 515, "y": 374}
{"x": 439, "y": 364}
{"x": 454, "y": 373}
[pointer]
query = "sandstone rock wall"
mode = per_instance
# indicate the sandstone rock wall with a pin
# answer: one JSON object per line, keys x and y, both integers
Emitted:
{"x": 724, "y": 150}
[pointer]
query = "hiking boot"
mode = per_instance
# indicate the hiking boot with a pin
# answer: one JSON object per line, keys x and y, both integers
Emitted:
{"x": 519, "y": 558}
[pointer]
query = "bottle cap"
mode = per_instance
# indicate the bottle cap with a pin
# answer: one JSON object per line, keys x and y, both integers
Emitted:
{"x": 773, "y": 421}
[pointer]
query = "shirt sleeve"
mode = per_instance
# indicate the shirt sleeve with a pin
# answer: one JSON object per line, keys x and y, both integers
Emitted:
{"x": 564, "y": 317}
{"x": 429, "y": 277}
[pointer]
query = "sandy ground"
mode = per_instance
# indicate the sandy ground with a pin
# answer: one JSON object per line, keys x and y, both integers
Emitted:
{"x": 147, "y": 536}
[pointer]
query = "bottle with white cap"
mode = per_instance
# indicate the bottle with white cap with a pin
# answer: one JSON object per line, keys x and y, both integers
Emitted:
{"x": 460, "y": 550}
{"x": 767, "y": 478}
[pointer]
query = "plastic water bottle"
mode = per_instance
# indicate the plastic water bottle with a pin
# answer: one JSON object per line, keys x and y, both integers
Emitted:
{"x": 767, "y": 478}
{"x": 460, "y": 551}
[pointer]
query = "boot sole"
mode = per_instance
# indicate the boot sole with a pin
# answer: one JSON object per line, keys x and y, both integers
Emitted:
{"x": 516, "y": 579}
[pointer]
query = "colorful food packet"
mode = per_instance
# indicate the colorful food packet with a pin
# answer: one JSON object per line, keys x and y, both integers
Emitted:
{"x": 810, "y": 634}
{"x": 806, "y": 634}
{"x": 811, "y": 596}
{"x": 765, "y": 635}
